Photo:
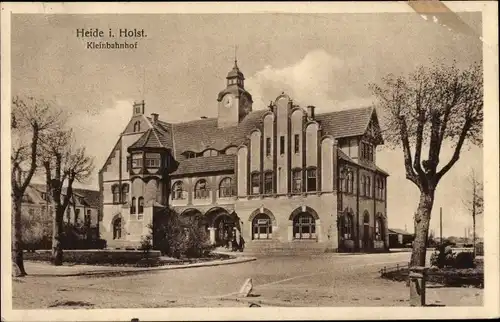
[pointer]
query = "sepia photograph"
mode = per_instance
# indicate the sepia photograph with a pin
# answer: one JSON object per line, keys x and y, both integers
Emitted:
{"x": 229, "y": 156}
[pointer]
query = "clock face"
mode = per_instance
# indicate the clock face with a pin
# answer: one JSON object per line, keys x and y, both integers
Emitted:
{"x": 228, "y": 100}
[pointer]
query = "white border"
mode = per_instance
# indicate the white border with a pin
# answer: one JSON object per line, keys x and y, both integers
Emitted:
{"x": 491, "y": 162}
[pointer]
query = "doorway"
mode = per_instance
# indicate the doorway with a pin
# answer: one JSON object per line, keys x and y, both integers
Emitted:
{"x": 225, "y": 230}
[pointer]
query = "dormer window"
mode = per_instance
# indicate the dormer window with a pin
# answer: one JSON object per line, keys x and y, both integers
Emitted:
{"x": 189, "y": 155}
{"x": 210, "y": 153}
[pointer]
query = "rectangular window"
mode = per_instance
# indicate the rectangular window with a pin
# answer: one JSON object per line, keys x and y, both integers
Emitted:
{"x": 268, "y": 147}
{"x": 128, "y": 163}
{"x": 297, "y": 181}
{"x": 311, "y": 180}
{"x": 137, "y": 160}
{"x": 255, "y": 183}
{"x": 282, "y": 145}
{"x": 153, "y": 160}
{"x": 296, "y": 143}
{"x": 268, "y": 183}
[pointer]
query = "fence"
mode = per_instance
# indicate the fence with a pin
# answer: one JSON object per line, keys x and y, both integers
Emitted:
{"x": 392, "y": 269}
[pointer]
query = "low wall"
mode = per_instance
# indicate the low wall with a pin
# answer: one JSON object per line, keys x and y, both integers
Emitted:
{"x": 96, "y": 256}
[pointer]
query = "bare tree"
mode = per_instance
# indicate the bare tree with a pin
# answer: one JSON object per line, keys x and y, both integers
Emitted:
{"x": 475, "y": 204}
{"x": 31, "y": 118}
{"x": 432, "y": 106}
{"x": 63, "y": 165}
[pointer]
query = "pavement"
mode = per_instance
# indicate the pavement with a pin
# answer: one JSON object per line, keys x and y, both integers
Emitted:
{"x": 325, "y": 280}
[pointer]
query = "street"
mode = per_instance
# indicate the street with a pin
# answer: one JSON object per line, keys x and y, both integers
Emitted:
{"x": 320, "y": 280}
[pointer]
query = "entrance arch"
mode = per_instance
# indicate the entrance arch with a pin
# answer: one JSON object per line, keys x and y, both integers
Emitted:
{"x": 304, "y": 223}
{"x": 223, "y": 225}
{"x": 192, "y": 217}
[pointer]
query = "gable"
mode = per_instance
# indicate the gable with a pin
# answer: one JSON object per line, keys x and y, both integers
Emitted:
{"x": 373, "y": 131}
{"x": 143, "y": 121}
{"x": 111, "y": 154}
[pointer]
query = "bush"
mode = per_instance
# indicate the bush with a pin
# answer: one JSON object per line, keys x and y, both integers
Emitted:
{"x": 176, "y": 238}
{"x": 464, "y": 260}
{"x": 100, "y": 257}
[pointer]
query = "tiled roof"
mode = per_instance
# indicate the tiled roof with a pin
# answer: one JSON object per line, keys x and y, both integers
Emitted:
{"x": 91, "y": 197}
{"x": 369, "y": 166}
{"x": 159, "y": 136}
{"x": 221, "y": 162}
{"x": 345, "y": 123}
{"x": 201, "y": 134}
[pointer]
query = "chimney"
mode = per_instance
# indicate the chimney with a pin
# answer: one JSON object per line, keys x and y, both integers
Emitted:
{"x": 154, "y": 116}
{"x": 138, "y": 108}
{"x": 310, "y": 111}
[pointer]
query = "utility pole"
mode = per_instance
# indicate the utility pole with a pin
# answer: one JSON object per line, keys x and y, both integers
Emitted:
{"x": 474, "y": 200}
{"x": 441, "y": 226}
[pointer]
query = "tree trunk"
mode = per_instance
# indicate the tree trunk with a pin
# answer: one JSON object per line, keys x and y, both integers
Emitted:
{"x": 418, "y": 255}
{"x": 474, "y": 235}
{"x": 57, "y": 249}
{"x": 422, "y": 220}
{"x": 17, "y": 242}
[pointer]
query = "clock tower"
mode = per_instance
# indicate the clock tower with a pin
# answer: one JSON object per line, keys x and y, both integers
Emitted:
{"x": 234, "y": 102}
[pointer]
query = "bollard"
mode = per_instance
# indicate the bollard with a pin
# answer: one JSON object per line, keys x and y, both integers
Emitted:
{"x": 417, "y": 277}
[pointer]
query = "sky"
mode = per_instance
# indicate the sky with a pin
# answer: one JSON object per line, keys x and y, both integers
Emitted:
{"x": 326, "y": 60}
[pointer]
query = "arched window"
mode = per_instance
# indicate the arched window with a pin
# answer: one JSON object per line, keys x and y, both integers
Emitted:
{"x": 140, "y": 205}
{"x": 311, "y": 179}
{"x": 304, "y": 226}
{"x": 379, "y": 229}
{"x": 262, "y": 227}
{"x": 268, "y": 183}
{"x": 366, "y": 218}
{"x": 201, "y": 189}
{"x": 178, "y": 190}
{"x": 255, "y": 181}
{"x": 350, "y": 182}
{"x": 117, "y": 228}
{"x": 137, "y": 126}
{"x": 125, "y": 189}
{"x": 132, "y": 206}
{"x": 296, "y": 181}
{"x": 115, "y": 189}
{"x": 225, "y": 188}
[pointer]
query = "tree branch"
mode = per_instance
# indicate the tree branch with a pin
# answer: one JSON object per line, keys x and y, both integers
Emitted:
{"x": 410, "y": 173}
{"x": 456, "y": 153}
{"x": 419, "y": 134}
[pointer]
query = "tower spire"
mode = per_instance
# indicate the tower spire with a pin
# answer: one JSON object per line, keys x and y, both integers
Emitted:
{"x": 236, "y": 56}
